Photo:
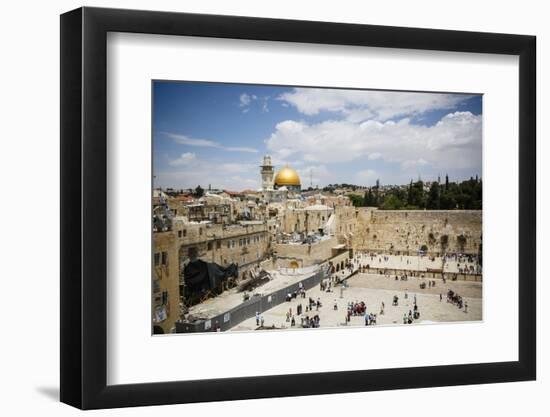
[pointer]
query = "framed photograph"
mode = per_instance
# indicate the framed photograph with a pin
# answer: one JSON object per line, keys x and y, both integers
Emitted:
{"x": 259, "y": 208}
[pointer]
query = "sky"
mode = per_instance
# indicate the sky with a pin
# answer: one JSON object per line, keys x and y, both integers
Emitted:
{"x": 216, "y": 134}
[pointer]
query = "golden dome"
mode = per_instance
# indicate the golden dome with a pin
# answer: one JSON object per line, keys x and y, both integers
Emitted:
{"x": 287, "y": 176}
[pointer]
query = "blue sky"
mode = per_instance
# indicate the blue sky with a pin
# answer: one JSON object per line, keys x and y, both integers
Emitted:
{"x": 217, "y": 134}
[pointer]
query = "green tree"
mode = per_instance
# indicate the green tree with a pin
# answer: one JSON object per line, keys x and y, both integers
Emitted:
{"x": 392, "y": 202}
{"x": 368, "y": 198}
{"x": 415, "y": 196}
{"x": 356, "y": 200}
{"x": 377, "y": 194}
{"x": 199, "y": 191}
{"x": 410, "y": 194}
{"x": 433, "y": 202}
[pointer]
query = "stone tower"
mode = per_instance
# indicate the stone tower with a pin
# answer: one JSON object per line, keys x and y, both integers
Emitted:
{"x": 267, "y": 171}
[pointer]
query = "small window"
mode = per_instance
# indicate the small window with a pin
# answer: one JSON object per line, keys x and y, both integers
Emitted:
{"x": 184, "y": 232}
{"x": 164, "y": 258}
{"x": 157, "y": 259}
{"x": 180, "y": 233}
{"x": 200, "y": 231}
{"x": 209, "y": 245}
{"x": 218, "y": 244}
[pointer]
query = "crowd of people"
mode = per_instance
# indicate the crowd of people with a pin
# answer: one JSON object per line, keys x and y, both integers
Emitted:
{"x": 454, "y": 298}
{"x": 465, "y": 264}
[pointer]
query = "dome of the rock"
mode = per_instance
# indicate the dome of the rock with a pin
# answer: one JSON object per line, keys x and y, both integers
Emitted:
{"x": 287, "y": 177}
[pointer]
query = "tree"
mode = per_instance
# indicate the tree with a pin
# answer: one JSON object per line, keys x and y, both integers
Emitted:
{"x": 356, "y": 200}
{"x": 392, "y": 202}
{"x": 199, "y": 191}
{"x": 433, "y": 202}
{"x": 410, "y": 194}
{"x": 415, "y": 196}
{"x": 368, "y": 200}
{"x": 377, "y": 193}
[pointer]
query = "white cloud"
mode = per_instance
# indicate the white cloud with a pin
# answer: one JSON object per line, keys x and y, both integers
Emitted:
{"x": 366, "y": 177}
{"x": 312, "y": 174}
{"x": 186, "y": 140}
{"x": 245, "y": 100}
{"x": 454, "y": 142}
{"x": 190, "y": 171}
{"x": 359, "y": 105}
{"x": 410, "y": 163}
{"x": 237, "y": 167}
{"x": 186, "y": 158}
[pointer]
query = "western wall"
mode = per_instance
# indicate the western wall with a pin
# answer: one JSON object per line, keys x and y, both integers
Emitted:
{"x": 408, "y": 231}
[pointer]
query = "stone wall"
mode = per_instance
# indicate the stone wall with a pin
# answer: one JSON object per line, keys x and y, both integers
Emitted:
{"x": 407, "y": 231}
{"x": 305, "y": 220}
{"x": 346, "y": 224}
{"x": 304, "y": 254}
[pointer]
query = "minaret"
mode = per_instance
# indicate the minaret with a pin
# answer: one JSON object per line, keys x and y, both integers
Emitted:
{"x": 267, "y": 171}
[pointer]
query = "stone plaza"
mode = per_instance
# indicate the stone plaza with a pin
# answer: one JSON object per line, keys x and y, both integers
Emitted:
{"x": 375, "y": 289}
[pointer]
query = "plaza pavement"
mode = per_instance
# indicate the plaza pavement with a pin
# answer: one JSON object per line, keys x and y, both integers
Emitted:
{"x": 373, "y": 290}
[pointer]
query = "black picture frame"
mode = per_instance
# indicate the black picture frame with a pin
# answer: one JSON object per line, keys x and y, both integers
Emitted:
{"x": 84, "y": 207}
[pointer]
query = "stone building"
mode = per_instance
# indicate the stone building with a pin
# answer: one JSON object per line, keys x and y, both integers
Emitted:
{"x": 245, "y": 243}
{"x": 166, "y": 282}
